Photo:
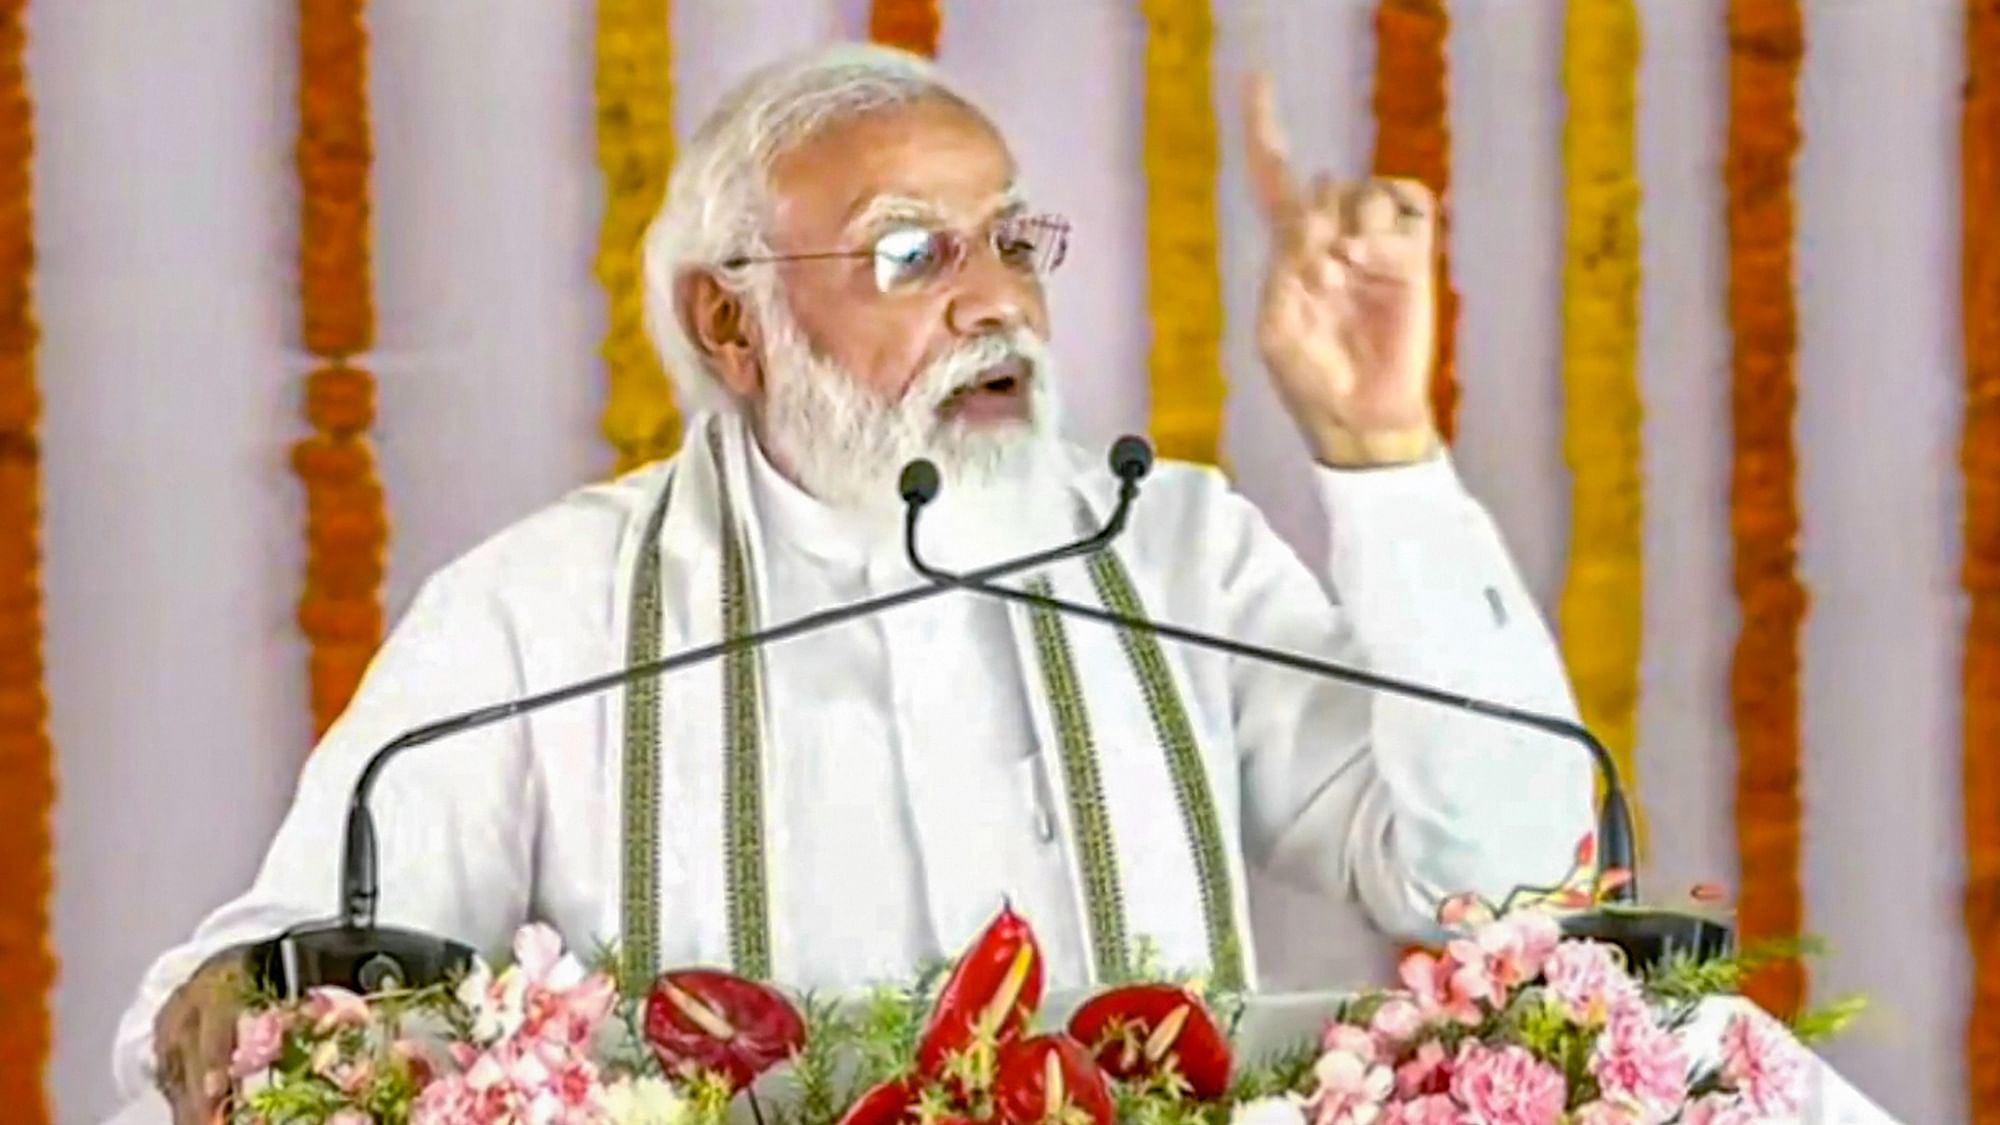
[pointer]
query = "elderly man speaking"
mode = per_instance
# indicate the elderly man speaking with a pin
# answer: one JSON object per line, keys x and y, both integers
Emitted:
{"x": 846, "y": 275}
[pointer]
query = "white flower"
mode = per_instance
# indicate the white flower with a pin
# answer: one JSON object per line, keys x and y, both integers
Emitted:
{"x": 651, "y": 1101}
{"x": 538, "y": 952}
{"x": 1282, "y": 1110}
{"x": 498, "y": 1007}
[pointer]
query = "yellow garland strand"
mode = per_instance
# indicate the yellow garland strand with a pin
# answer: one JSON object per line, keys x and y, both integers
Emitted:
{"x": 1412, "y": 103}
{"x": 912, "y": 25}
{"x": 635, "y": 149}
{"x": 347, "y": 529}
{"x": 1600, "y": 612}
{"x": 1184, "y": 291}
{"x": 1979, "y": 455}
{"x": 27, "y": 762}
{"x": 1766, "y": 44}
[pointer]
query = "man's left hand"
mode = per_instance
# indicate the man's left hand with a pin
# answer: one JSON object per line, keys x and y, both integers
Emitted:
{"x": 1347, "y": 320}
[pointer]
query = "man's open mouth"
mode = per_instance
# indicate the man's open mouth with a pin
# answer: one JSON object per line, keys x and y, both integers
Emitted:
{"x": 1000, "y": 391}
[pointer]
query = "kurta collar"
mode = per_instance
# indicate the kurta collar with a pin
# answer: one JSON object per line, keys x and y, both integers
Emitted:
{"x": 795, "y": 519}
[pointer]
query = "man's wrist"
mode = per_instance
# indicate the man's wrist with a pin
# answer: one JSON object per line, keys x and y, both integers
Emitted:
{"x": 1338, "y": 447}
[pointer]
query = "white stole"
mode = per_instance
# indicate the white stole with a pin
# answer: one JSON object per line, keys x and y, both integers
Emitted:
{"x": 706, "y": 886}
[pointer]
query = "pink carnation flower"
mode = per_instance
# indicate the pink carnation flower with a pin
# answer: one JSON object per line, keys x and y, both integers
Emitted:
{"x": 1586, "y": 978}
{"x": 1761, "y": 1062}
{"x": 1507, "y": 1086}
{"x": 260, "y": 1038}
{"x": 1640, "y": 1065}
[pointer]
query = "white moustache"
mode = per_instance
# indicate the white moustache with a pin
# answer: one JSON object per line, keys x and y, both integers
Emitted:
{"x": 961, "y": 368}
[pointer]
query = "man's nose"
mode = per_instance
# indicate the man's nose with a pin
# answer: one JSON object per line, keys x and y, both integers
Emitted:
{"x": 990, "y": 296}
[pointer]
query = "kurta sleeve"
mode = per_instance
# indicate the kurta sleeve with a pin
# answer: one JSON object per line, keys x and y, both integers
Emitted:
{"x": 1389, "y": 800}
{"x": 455, "y": 819}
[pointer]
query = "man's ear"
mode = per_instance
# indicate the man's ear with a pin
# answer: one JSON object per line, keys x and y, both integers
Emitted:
{"x": 719, "y": 324}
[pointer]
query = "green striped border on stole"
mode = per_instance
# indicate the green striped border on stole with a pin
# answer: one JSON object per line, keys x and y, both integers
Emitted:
{"x": 1176, "y": 735}
{"x": 1096, "y": 851}
{"x": 743, "y": 792}
{"x": 743, "y": 763}
{"x": 640, "y": 896}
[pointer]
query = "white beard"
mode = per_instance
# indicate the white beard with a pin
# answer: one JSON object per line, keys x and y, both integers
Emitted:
{"x": 846, "y": 444}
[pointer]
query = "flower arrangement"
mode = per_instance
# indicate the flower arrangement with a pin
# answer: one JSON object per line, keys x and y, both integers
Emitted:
{"x": 1513, "y": 1025}
{"x": 1508, "y": 1024}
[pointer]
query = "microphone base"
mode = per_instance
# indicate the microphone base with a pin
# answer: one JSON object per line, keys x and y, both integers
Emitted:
{"x": 1651, "y": 937}
{"x": 361, "y": 959}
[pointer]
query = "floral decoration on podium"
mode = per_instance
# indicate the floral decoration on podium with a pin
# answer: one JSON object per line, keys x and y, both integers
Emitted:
{"x": 1508, "y": 1023}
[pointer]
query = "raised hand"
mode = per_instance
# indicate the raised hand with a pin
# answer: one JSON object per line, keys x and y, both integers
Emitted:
{"x": 1346, "y": 323}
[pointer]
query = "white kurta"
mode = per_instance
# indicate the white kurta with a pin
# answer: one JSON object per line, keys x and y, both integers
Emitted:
{"x": 909, "y": 786}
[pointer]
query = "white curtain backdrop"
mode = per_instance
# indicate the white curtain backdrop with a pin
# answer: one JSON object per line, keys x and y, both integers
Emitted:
{"x": 166, "y": 225}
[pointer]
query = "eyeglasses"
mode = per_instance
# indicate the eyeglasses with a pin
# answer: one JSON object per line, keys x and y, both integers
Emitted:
{"x": 910, "y": 257}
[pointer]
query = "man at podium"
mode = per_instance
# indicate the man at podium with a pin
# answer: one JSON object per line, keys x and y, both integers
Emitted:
{"x": 846, "y": 275}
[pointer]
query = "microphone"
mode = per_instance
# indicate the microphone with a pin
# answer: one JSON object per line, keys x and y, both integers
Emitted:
{"x": 1647, "y": 936}
{"x": 356, "y": 954}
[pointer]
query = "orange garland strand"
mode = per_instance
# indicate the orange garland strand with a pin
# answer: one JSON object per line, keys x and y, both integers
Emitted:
{"x": 347, "y": 529}
{"x": 909, "y": 24}
{"x": 1980, "y": 457}
{"x": 1413, "y": 141}
{"x": 1766, "y": 44}
{"x": 27, "y": 762}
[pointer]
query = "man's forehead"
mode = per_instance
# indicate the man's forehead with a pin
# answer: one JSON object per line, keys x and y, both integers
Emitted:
{"x": 927, "y": 160}
{"x": 868, "y": 208}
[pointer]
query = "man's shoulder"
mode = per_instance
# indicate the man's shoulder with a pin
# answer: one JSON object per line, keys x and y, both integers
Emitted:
{"x": 573, "y": 542}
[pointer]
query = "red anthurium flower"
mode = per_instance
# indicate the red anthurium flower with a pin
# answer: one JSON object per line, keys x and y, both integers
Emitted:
{"x": 1051, "y": 1080}
{"x": 886, "y": 1103}
{"x": 702, "y": 1019}
{"x": 992, "y": 993}
{"x": 1137, "y": 1030}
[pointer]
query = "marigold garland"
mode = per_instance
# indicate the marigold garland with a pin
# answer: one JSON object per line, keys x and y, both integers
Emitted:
{"x": 1766, "y": 44}
{"x": 635, "y": 149}
{"x": 1183, "y": 287}
{"x": 1601, "y": 600}
{"x": 27, "y": 761}
{"x": 1413, "y": 141}
{"x": 909, "y": 24}
{"x": 1979, "y": 454}
{"x": 347, "y": 528}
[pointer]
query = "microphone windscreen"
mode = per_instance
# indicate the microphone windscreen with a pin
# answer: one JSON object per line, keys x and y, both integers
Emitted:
{"x": 919, "y": 483}
{"x": 1131, "y": 458}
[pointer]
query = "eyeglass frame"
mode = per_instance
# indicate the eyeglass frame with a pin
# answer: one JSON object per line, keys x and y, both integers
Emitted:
{"x": 1049, "y": 219}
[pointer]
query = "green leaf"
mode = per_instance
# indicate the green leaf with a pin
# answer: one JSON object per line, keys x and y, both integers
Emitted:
{"x": 1818, "y": 1024}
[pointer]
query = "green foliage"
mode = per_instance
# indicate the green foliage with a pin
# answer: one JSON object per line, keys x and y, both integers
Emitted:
{"x": 1285, "y": 1072}
{"x": 1683, "y": 977}
{"x": 1818, "y": 1024}
{"x": 818, "y": 1096}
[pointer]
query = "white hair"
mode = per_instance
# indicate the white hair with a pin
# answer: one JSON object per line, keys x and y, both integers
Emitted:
{"x": 717, "y": 201}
